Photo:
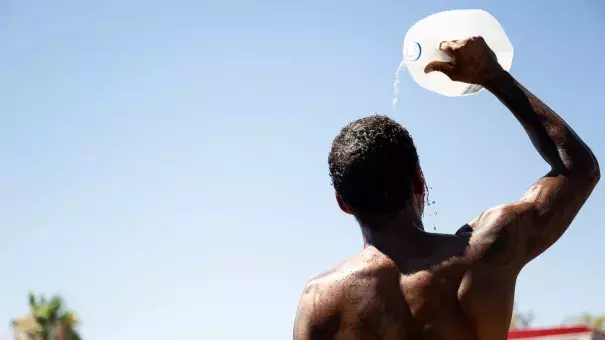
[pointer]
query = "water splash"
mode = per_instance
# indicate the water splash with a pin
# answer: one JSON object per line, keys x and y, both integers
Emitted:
{"x": 430, "y": 205}
{"x": 396, "y": 83}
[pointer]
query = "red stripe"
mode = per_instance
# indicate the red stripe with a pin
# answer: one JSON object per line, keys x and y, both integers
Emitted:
{"x": 531, "y": 333}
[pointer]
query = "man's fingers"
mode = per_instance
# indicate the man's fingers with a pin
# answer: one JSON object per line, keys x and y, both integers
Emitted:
{"x": 439, "y": 66}
{"x": 449, "y": 46}
{"x": 448, "y": 50}
{"x": 444, "y": 67}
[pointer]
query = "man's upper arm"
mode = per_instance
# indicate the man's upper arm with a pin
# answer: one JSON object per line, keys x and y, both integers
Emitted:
{"x": 317, "y": 315}
{"x": 518, "y": 232}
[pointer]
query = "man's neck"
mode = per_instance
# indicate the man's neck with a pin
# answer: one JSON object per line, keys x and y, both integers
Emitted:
{"x": 396, "y": 234}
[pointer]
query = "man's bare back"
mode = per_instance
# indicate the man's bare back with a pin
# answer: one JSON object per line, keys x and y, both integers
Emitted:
{"x": 409, "y": 284}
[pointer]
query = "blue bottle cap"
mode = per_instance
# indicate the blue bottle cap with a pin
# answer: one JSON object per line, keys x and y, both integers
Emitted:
{"x": 412, "y": 51}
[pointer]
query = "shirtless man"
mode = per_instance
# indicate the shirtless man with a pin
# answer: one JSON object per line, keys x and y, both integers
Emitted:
{"x": 410, "y": 284}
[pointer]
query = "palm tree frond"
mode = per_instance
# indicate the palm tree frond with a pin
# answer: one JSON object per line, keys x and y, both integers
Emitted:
{"x": 47, "y": 319}
{"x": 32, "y": 299}
{"x": 69, "y": 318}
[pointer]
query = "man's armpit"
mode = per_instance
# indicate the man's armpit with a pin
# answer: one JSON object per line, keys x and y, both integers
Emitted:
{"x": 501, "y": 233}
{"x": 502, "y": 251}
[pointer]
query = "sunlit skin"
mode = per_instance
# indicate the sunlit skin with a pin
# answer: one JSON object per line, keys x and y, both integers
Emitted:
{"x": 410, "y": 284}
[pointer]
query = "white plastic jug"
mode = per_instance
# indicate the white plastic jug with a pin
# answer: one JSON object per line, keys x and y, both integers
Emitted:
{"x": 421, "y": 46}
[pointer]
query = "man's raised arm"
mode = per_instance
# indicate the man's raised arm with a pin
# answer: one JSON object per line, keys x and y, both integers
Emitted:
{"x": 549, "y": 206}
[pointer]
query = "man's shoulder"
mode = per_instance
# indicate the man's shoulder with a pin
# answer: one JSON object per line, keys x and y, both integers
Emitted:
{"x": 498, "y": 236}
{"x": 326, "y": 296}
{"x": 320, "y": 305}
{"x": 367, "y": 266}
{"x": 331, "y": 282}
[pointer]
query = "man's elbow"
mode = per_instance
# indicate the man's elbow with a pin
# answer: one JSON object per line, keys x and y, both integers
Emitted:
{"x": 591, "y": 177}
{"x": 595, "y": 173}
{"x": 587, "y": 171}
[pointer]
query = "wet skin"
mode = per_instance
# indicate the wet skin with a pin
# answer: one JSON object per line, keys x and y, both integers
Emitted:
{"x": 409, "y": 284}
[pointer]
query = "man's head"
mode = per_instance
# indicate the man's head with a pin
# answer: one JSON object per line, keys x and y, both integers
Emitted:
{"x": 375, "y": 170}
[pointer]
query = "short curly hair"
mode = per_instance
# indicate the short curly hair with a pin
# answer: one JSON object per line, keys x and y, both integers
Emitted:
{"x": 373, "y": 162}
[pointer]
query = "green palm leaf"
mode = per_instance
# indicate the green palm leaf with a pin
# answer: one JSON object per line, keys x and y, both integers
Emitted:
{"x": 47, "y": 319}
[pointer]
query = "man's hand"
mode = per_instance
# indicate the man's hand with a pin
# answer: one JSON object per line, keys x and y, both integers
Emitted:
{"x": 472, "y": 62}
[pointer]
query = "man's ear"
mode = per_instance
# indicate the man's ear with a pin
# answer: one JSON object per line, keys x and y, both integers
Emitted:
{"x": 342, "y": 204}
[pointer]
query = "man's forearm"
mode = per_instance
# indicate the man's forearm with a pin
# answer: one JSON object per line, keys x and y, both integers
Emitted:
{"x": 553, "y": 138}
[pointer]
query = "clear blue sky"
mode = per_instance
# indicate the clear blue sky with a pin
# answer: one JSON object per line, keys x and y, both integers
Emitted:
{"x": 164, "y": 163}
